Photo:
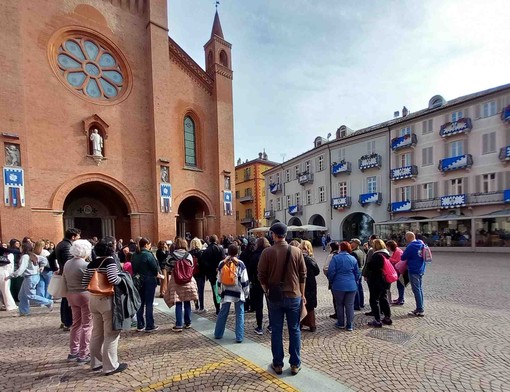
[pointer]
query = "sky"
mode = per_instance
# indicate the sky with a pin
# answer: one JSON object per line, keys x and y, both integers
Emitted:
{"x": 303, "y": 68}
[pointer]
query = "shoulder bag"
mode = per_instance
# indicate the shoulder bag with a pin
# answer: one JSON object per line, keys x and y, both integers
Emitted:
{"x": 99, "y": 283}
{"x": 275, "y": 291}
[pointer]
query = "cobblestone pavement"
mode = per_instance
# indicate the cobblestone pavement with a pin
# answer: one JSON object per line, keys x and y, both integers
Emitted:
{"x": 462, "y": 344}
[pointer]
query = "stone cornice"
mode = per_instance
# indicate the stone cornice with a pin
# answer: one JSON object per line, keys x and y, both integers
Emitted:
{"x": 180, "y": 57}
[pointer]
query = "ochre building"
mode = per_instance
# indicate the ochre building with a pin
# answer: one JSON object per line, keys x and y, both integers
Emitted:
{"x": 109, "y": 126}
{"x": 251, "y": 193}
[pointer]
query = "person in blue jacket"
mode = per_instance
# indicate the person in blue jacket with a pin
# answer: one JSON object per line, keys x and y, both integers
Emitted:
{"x": 343, "y": 273}
{"x": 413, "y": 254}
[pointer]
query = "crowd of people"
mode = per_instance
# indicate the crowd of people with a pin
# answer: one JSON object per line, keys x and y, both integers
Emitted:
{"x": 109, "y": 286}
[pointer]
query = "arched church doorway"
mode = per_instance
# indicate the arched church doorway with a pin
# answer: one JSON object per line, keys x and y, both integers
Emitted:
{"x": 192, "y": 218}
{"x": 357, "y": 225}
{"x": 98, "y": 211}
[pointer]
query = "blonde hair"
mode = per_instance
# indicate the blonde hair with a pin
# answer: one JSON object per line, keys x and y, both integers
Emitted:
{"x": 307, "y": 247}
{"x": 38, "y": 247}
{"x": 195, "y": 244}
{"x": 378, "y": 244}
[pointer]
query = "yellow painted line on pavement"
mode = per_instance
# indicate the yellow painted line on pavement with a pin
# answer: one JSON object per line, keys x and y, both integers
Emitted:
{"x": 197, "y": 372}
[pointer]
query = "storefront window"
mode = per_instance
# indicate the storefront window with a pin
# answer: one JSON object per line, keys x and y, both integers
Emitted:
{"x": 492, "y": 232}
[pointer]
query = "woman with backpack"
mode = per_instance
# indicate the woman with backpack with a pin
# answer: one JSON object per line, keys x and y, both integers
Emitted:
{"x": 145, "y": 264}
{"x": 234, "y": 288}
{"x": 378, "y": 286}
{"x": 182, "y": 287}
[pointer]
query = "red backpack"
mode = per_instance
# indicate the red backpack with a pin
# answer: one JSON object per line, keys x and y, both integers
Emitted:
{"x": 183, "y": 269}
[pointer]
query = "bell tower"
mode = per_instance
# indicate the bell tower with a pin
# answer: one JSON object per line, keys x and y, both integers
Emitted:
{"x": 218, "y": 64}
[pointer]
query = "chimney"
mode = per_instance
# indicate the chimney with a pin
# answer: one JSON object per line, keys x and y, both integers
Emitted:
{"x": 260, "y": 155}
{"x": 405, "y": 112}
{"x": 396, "y": 114}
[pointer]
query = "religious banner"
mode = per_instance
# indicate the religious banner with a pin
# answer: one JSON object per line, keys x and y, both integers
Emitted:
{"x": 166, "y": 197}
{"x": 227, "y": 202}
{"x": 14, "y": 187}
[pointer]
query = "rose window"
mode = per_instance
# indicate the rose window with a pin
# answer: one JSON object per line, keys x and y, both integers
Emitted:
{"x": 90, "y": 68}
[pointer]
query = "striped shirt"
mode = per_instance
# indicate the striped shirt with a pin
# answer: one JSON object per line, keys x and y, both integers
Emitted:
{"x": 108, "y": 267}
{"x": 241, "y": 290}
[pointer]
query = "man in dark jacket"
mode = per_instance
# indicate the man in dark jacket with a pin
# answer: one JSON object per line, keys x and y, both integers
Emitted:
{"x": 63, "y": 253}
{"x": 211, "y": 258}
{"x": 359, "y": 300}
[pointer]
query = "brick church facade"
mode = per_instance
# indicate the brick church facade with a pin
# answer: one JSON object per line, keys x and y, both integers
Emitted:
{"x": 109, "y": 126}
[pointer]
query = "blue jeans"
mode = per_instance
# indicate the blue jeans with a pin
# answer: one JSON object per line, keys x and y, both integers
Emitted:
{"x": 178, "y": 313}
{"x": 359, "y": 299}
{"x": 44, "y": 282}
{"x": 147, "y": 297}
{"x": 200, "y": 286}
{"x": 416, "y": 285}
{"x": 291, "y": 309}
{"x": 27, "y": 294}
{"x": 219, "y": 330}
{"x": 344, "y": 307}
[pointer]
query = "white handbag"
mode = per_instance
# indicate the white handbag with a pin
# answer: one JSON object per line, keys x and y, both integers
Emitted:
{"x": 57, "y": 286}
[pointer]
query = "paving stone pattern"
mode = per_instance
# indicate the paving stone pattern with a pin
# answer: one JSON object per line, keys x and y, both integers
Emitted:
{"x": 462, "y": 344}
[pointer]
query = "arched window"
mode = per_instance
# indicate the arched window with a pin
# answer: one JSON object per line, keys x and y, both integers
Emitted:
{"x": 209, "y": 59}
{"x": 190, "y": 149}
{"x": 223, "y": 59}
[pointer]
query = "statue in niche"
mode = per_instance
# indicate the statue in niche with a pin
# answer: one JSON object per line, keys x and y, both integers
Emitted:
{"x": 97, "y": 143}
{"x": 12, "y": 155}
{"x": 227, "y": 182}
{"x": 164, "y": 174}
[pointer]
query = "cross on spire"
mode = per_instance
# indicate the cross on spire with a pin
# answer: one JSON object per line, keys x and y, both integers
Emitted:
{"x": 217, "y": 4}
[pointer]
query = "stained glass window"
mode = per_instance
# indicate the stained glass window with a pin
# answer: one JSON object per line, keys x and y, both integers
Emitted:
{"x": 190, "y": 153}
{"x": 90, "y": 68}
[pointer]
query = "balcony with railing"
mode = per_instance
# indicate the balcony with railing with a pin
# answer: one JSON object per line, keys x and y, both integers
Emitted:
{"x": 471, "y": 199}
{"x": 247, "y": 220}
{"x": 405, "y": 141}
{"x": 275, "y": 188}
{"x": 268, "y": 214}
{"x": 370, "y": 161}
{"x": 455, "y": 163}
{"x": 462, "y": 125}
{"x": 401, "y": 173}
{"x": 305, "y": 178}
{"x": 341, "y": 168}
{"x": 246, "y": 199}
{"x": 400, "y": 206}
{"x": 504, "y": 154}
{"x": 367, "y": 198}
{"x": 341, "y": 202}
{"x": 296, "y": 209}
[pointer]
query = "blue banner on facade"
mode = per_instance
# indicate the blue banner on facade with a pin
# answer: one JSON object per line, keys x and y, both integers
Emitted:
{"x": 165, "y": 193}
{"x": 227, "y": 202}
{"x": 14, "y": 187}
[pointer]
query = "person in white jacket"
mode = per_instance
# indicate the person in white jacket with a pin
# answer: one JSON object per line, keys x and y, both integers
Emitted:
{"x": 5, "y": 285}
{"x": 232, "y": 293}
{"x": 30, "y": 267}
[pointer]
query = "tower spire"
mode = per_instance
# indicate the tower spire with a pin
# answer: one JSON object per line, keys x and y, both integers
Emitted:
{"x": 216, "y": 29}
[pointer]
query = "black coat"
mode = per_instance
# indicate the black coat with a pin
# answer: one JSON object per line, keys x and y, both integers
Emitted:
{"x": 375, "y": 276}
{"x": 63, "y": 253}
{"x": 126, "y": 302}
{"x": 211, "y": 258}
{"x": 312, "y": 270}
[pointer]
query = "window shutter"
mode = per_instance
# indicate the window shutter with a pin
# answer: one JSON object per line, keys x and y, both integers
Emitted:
{"x": 435, "y": 190}
{"x": 348, "y": 187}
{"x": 446, "y": 187}
{"x": 412, "y": 192}
{"x": 424, "y": 127}
{"x": 465, "y": 184}
{"x": 465, "y": 112}
{"x": 478, "y": 183}
{"x": 478, "y": 111}
{"x": 499, "y": 181}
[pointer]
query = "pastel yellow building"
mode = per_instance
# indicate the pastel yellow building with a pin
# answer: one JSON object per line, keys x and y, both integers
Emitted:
{"x": 251, "y": 193}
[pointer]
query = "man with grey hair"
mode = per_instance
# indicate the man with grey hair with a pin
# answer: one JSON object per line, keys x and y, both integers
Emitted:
{"x": 282, "y": 275}
{"x": 416, "y": 268}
